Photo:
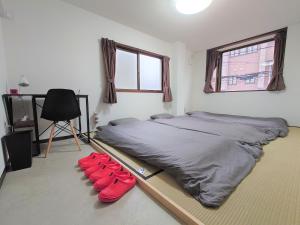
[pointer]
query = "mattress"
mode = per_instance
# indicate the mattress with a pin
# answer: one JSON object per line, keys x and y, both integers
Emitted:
{"x": 205, "y": 160}
{"x": 141, "y": 168}
{"x": 270, "y": 195}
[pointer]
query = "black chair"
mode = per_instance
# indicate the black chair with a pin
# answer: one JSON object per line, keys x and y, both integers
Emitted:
{"x": 61, "y": 105}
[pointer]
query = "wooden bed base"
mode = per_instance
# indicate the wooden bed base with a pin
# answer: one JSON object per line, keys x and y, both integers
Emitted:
{"x": 168, "y": 203}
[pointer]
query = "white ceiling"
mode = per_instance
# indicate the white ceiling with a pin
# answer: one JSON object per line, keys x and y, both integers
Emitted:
{"x": 224, "y": 21}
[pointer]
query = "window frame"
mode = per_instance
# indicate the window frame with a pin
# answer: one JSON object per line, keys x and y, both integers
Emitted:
{"x": 218, "y": 84}
{"x": 139, "y": 52}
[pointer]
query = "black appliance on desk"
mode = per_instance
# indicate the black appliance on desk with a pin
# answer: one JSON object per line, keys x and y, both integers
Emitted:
{"x": 34, "y": 124}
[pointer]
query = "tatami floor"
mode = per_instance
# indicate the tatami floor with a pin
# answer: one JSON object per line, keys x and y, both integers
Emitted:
{"x": 54, "y": 191}
{"x": 269, "y": 195}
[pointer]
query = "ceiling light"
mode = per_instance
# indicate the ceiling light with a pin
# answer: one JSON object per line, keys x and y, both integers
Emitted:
{"x": 192, "y": 6}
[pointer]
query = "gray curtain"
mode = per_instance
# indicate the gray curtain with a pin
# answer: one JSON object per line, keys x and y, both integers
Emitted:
{"x": 167, "y": 93}
{"x": 109, "y": 61}
{"x": 277, "y": 81}
{"x": 212, "y": 61}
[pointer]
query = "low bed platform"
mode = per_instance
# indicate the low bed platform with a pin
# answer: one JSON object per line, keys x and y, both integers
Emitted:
{"x": 269, "y": 195}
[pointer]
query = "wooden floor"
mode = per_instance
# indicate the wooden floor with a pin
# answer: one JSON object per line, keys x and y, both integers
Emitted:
{"x": 269, "y": 195}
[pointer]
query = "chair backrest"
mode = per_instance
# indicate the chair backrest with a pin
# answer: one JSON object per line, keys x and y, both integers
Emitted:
{"x": 60, "y": 105}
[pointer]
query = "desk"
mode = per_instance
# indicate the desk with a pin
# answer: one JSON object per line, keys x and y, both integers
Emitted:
{"x": 7, "y": 100}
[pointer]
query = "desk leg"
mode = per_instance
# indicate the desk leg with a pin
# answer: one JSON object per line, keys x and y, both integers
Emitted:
{"x": 79, "y": 120}
{"x": 87, "y": 118}
{"x": 7, "y": 100}
{"x": 36, "y": 126}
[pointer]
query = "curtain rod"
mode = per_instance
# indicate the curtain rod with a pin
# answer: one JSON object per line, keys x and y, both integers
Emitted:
{"x": 250, "y": 39}
{"x": 134, "y": 49}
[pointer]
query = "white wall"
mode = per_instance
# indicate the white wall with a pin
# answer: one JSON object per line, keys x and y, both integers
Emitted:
{"x": 56, "y": 46}
{"x": 281, "y": 104}
{"x": 2, "y": 91}
{"x": 182, "y": 78}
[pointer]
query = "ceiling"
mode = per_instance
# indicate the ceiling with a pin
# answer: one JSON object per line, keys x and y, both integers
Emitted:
{"x": 224, "y": 21}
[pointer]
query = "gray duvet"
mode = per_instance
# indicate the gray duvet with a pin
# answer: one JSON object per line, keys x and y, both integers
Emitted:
{"x": 277, "y": 126}
{"x": 207, "y": 162}
{"x": 245, "y": 132}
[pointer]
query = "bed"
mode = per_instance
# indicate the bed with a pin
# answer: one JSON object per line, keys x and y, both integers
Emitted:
{"x": 207, "y": 154}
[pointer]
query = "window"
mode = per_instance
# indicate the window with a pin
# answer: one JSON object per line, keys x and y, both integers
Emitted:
{"x": 243, "y": 51}
{"x": 150, "y": 73}
{"x": 232, "y": 80}
{"x": 252, "y": 49}
{"x": 138, "y": 70}
{"x": 250, "y": 80}
{"x": 126, "y": 70}
{"x": 245, "y": 65}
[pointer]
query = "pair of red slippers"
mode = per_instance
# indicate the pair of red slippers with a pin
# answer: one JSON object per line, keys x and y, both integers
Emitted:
{"x": 109, "y": 178}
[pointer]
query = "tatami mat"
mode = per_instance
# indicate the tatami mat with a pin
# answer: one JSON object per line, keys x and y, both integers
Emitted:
{"x": 269, "y": 195}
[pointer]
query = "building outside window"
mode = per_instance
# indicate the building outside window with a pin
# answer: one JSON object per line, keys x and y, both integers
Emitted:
{"x": 248, "y": 68}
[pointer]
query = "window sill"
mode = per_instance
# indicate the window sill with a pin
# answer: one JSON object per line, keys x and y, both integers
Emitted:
{"x": 138, "y": 91}
{"x": 216, "y": 92}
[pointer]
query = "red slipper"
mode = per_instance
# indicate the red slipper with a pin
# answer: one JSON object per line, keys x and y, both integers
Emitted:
{"x": 103, "y": 182}
{"x": 109, "y": 167}
{"x": 117, "y": 189}
{"x": 103, "y": 158}
{"x": 93, "y": 169}
{"x": 93, "y": 155}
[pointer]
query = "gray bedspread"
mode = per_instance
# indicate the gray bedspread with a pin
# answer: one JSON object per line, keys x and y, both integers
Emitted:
{"x": 277, "y": 126}
{"x": 208, "y": 158}
{"x": 252, "y": 134}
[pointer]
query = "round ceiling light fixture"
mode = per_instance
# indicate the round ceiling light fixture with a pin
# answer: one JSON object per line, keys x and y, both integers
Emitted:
{"x": 192, "y": 6}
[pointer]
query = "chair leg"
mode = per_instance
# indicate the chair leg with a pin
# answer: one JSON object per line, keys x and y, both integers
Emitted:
{"x": 50, "y": 140}
{"x": 75, "y": 135}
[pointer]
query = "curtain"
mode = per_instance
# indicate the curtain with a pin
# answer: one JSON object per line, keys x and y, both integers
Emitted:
{"x": 109, "y": 59}
{"x": 212, "y": 61}
{"x": 277, "y": 81}
{"x": 167, "y": 94}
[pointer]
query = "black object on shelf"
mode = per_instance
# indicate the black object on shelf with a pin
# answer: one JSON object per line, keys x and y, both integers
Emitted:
{"x": 19, "y": 148}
